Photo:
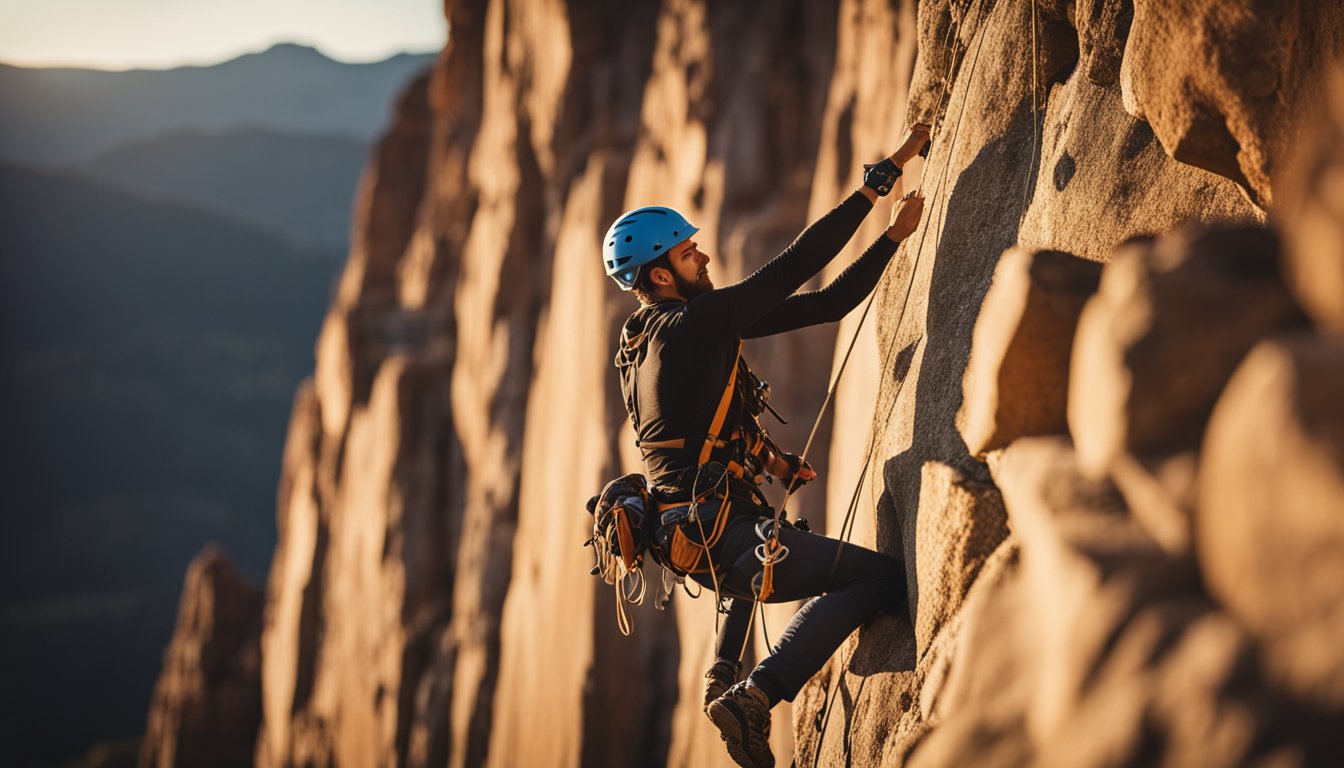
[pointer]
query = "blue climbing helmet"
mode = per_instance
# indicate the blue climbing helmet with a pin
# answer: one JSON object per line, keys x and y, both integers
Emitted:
{"x": 640, "y": 236}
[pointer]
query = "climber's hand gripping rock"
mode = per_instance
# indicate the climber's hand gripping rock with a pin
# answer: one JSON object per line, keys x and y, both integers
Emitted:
{"x": 905, "y": 215}
{"x": 915, "y": 139}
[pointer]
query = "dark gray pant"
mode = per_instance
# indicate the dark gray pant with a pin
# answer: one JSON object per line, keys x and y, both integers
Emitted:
{"x": 848, "y": 585}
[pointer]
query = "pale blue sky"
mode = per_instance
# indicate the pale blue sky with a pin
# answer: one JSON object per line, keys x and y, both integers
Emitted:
{"x": 122, "y": 34}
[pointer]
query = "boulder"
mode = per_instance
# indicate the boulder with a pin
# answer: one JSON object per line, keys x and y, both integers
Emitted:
{"x": 1160, "y": 489}
{"x": 1128, "y": 657}
{"x": 980, "y": 704}
{"x": 1080, "y": 553}
{"x": 1155, "y": 346}
{"x": 961, "y": 524}
{"x": 1224, "y": 83}
{"x": 1270, "y": 521}
{"x": 1016, "y": 382}
{"x": 1173, "y": 317}
{"x": 1311, "y": 217}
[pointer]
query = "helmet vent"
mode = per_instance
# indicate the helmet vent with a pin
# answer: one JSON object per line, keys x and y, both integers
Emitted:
{"x": 657, "y": 246}
{"x": 628, "y": 238}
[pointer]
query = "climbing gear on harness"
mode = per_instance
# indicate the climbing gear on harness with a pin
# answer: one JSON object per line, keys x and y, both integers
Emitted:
{"x": 638, "y": 237}
{"x": 757, "y": 395}
{"x": 781, "y": 551}
{"x": 661, "y": 526}
{"x": 881, "y": 176}
{"x": 742, "y": 715}
{"x": 620, "y": 538}
{"x": 676, "y": 549}
{"x": 720, "y": 677}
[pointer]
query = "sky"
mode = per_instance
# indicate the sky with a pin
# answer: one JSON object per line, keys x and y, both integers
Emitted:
{"x": 127, "y": 34}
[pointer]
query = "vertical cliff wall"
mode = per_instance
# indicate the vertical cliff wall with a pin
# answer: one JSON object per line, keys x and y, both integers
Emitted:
{"x": 429, "y": 601}
{"x": 465, "y": 368}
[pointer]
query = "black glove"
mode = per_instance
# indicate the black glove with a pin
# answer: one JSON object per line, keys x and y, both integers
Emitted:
{"x": 881, "y": 176}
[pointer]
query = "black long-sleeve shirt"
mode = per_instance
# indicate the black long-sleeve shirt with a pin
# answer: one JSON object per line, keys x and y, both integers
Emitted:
{"x": 676, "y": 356}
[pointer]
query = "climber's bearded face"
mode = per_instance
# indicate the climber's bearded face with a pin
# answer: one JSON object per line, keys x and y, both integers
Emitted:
{"x": 690, "y": 269}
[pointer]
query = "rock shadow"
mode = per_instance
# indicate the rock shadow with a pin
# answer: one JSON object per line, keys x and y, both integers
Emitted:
{"x": 886, "y": 645}
{"x": 979, "y": 221}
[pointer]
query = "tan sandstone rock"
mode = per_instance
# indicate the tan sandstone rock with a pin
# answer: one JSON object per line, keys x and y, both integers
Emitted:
{"x": 979, "y": 715}
{"x": 1270, "y": 527}
{"x": 1217, "y": 79}
{"x": 1122, "y": 631}
{"x": 1311, "y": 217}
{"x": 961, "y": 523}
{"x": 207, "y": 703}
{"x": 1154, "y": 348}
{"x": 1095, "y": 178}
{"x": 1016, "y": 382}
{"x": 430, "y": 603}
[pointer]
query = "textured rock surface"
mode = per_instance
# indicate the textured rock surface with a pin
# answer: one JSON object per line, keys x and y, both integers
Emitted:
{"x": 207, "y": 703}
{"x": 1154, "y": 348}
{"x": 1271, "y": 513}
{"x": 1215, "y": 79}
{"x": 430, "y": 603}
{"x": 1162, "y": 336}
{"x": 1016, "y": 382}
{"x": 1312, "y": 216}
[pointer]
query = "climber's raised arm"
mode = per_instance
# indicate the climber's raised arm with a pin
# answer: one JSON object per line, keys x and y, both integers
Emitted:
{"x": 652, "y": 251}
{"x": 833, "y": 302}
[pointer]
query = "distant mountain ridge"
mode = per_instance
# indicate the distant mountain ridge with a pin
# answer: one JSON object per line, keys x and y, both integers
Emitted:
{"x": 299, "y": 186}
{"x": 151, "y": 355}
{"x": 67, "y": 116}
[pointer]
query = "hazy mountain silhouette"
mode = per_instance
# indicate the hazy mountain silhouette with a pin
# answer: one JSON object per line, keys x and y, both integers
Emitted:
{"x": 151, "y": 353}
{"x": 69, "y": 116}
{"x": 297, "y": 185}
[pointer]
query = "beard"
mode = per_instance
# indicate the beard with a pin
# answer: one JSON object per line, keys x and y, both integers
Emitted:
{"x": 692, "y": 288}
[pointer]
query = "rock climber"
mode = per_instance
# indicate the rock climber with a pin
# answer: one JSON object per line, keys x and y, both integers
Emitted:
{"x": 694, "y": 405}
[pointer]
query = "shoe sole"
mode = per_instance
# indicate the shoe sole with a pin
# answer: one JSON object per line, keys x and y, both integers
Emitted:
{"x": 732, "y": 724}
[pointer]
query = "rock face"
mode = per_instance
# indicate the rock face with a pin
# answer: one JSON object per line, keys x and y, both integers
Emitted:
{"x": 429, "y": 601}
{"x": 1016, "y": 382}
{"x": 207, "y": 703}
{"x": 1271, "y": 512}
{"x": 1172, "y": 319}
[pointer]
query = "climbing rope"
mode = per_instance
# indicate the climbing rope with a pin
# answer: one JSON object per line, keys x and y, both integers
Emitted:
{"x": 847, "y": 526}
{"x": 772, "y": 552}
{"x": 1035, "y": 87}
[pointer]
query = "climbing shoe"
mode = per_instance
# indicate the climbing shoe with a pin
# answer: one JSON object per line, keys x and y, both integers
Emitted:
{"x": 742, "y": 715}
{"x": 719, "y": 679}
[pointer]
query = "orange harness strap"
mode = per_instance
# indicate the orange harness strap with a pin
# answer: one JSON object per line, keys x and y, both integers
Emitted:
{"x": 721, "y": 413}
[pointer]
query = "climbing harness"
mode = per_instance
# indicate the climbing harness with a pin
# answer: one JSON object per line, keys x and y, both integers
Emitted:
{"x": 665, "y": 525}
